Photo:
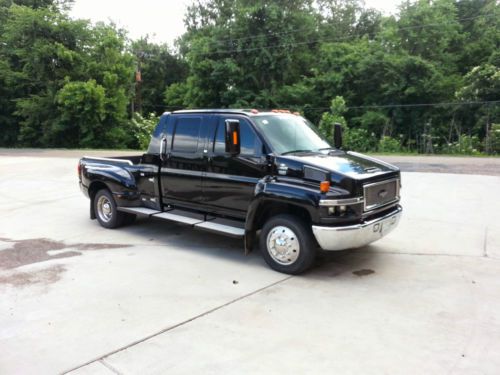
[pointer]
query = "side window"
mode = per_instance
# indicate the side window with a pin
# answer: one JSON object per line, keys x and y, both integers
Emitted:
{"x": 187, "y": 134}
{"x": 250, "y": 142}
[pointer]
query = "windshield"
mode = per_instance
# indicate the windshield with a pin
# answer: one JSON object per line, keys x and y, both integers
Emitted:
{"x": 288, "y": 133}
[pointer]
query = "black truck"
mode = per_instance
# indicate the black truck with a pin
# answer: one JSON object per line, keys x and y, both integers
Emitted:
{"x": 259, "y": 176}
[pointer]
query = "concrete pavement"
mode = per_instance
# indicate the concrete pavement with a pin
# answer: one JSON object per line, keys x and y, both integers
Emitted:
{"x": 156, "y": 298}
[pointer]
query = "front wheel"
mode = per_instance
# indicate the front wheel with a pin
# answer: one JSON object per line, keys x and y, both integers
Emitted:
{"x": 287, "y": 244}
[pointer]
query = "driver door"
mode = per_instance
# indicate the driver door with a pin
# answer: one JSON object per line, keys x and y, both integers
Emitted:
{"x": 229, "y": 183}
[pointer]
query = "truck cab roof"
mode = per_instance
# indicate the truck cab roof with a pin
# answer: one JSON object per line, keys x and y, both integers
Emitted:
{"x": 246, "y": 112}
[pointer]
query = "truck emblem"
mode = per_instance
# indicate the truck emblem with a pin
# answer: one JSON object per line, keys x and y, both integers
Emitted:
{"x": 382, "y": 193}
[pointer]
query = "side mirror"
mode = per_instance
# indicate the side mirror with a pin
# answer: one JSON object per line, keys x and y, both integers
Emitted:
{"x": 337, "y": 135}
{"x": 233, "y": 141}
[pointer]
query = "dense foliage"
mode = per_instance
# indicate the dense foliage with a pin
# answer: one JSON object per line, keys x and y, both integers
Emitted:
{"x": 67, "y": 83}
{"x": 425, "y": 80}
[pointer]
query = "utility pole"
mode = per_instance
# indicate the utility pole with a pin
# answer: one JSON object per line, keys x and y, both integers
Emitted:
{"x": 138, "y": 83}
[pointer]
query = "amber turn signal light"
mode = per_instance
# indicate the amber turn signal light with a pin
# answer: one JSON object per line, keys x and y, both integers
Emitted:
{"x": 235, "y": 138}
{"x": 324, "y": 186}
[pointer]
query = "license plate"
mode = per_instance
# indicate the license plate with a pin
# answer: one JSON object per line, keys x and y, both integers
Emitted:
{"x": 385, "y": 226}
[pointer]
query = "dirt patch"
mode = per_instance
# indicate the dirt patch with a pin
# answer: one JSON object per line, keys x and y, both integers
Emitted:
{"x": 47, "y": 276}
{"x": 36, "y": 250}
{"x": 25, "y": 252}
{"x": 364, "y": 272}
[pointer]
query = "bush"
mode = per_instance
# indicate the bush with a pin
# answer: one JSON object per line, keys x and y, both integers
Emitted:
{"x": 143, "y": 128}
{"x": 359, "y": 140}
{"x": 492, "y": 143}
{"x": 389, "y": 144}
{"x": 466, "y": 145}
{"x": 328, "y": 119}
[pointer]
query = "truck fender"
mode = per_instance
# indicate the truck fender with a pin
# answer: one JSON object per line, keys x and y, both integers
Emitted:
{"x": 285, "y": 197}
{"x": 118, "y": 181}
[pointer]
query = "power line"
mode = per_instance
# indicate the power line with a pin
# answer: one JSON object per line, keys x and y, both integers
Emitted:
{"x": 414, "y": 105}
{"x": 349, "y": 37}
{"x": 308, "y": 29}
{"x": 305, "y": 107}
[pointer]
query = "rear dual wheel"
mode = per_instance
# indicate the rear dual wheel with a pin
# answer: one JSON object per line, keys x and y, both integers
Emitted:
{"x": 107, "y": 213}
{"x": 287, "y": 244}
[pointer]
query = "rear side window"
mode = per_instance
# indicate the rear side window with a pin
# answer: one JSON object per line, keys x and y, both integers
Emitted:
{"x": 187, "y": 134}
{"x": 250, "y": 142}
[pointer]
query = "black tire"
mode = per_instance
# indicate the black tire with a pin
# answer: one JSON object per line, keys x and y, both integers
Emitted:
{"x": 105, "y": 210}
{"x": 296, "y": 250}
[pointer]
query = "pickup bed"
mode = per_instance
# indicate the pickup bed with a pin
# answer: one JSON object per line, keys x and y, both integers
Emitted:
{"x": 259, "y": 176}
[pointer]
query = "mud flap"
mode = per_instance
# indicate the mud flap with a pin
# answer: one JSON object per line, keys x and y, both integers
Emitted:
{"x": 92, "y": 211}
{"x": 249, "y": 240}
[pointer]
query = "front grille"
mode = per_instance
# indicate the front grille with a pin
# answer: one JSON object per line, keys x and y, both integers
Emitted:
{"x": 381, "y": 193}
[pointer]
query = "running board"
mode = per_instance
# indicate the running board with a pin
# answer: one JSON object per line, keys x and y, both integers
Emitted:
{"x": 223, "y": 226}
{"x": 226, "y": 227}
{"x": 179, "y": 216}
{"x": 144, "y": 211}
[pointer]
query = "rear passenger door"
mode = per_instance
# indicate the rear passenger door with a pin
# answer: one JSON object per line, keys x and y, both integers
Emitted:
{"x": 229, "y": 183}
{"x": 184, "y": 162}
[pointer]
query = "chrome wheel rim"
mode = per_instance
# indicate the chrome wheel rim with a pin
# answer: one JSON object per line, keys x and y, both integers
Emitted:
{"x": 104, "y": 209}
{"x": 283, "y": 245}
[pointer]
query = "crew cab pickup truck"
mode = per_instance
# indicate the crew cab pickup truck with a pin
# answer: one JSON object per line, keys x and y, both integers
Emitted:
{"x": 259, "y": 176}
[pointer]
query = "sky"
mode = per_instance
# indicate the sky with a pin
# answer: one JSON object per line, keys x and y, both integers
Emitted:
{"x": 162, "y": 20}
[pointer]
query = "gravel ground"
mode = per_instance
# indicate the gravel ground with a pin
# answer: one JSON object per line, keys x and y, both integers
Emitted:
{"x": 445, "y": 164}
{"x": 489, "y": 166}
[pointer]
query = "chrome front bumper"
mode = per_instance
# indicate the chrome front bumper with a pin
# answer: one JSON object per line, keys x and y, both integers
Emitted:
{"x": 353, "y": 236}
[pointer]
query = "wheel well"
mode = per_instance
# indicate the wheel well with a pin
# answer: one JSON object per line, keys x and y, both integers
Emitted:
{"x": 275, "y": 208}
{"x": 93, "y": 189}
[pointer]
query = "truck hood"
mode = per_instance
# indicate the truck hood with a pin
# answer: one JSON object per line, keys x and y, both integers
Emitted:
{"x": 348, "y": 163}
{"x": 346, "y": 169}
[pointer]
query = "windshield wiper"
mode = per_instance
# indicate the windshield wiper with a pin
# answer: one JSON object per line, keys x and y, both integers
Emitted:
{"x": 294, "y": 152}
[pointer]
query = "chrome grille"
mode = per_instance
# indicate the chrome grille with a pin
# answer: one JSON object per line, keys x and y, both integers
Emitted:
{"x": 381, "y": 193}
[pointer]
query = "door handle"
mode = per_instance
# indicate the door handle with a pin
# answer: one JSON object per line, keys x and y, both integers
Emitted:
{"x": 162, "y": 148}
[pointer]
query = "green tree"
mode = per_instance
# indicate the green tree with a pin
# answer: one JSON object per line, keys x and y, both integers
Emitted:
{"x": 481, "y": 84}
{"x": 42, "y": 52}
{"x": 334, "y": 116}
{"x": 83, "y": 111}
{"x": 64, "y": 82}
{"x": 241, "y": 52}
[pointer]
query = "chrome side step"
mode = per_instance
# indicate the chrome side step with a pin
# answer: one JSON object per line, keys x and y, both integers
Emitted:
{"x": 212, "y": 224}
{"x": 227, "y": 227}
{"x": 179, "y": 216}
{"x": 144, "y": 211}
